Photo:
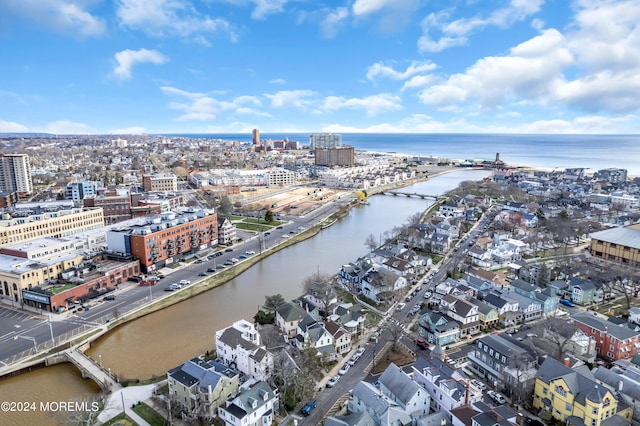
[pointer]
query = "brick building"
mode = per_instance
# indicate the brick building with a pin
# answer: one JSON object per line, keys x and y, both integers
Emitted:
{"x": 167, "y": 238}
{"x": 613, "y": 341}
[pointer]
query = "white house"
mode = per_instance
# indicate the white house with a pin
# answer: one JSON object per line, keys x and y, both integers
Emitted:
{"x": 256, "y": 406}
{"x": 239, "y": 346}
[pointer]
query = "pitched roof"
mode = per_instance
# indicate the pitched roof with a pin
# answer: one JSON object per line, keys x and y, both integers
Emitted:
{"x": 291, "y": 312}
{"x": 399, "y": 384}
{"x": 258, "y": 395}
{"x": 233, "y": 338}
{"x": 619, "y": 332}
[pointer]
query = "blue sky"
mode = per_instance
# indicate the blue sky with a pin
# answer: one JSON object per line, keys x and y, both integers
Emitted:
{"x": 228, "y": 66}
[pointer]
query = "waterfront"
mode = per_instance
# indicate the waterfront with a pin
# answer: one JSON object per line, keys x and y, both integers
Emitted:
{"x": 152, "y": 344}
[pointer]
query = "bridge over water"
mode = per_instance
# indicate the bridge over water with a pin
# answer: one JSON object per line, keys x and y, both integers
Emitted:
{"x": 91, "y": 370}
{"x": 412, "y": 194}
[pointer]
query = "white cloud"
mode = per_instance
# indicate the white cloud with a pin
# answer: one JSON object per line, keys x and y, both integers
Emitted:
{"x": 128, "y": 58}
{"x": 65, "y": 127}
{"x": 455, "y": 33}
{"x": 62, "y": 15}
{"x": 12, "y": 127}
{"x": 332, "y": 22}
{"x": 262, "y": 8}
{"x": 533, "y": 70}
{"x": 169, "y": 17}
{"x": 380, "y": 70}
{"x": 278, "y": 81}
{"x": 203, "y": 107}
{"x": 366, "y": 7}
{"x": 373, "y": 105}
{"x": 418, "y": 82}
{"x": 294, "y": 98}
{"x": 133, "y": 130}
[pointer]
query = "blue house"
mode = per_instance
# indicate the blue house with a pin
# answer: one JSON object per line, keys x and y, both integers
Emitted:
{"x": 438, "y": 328}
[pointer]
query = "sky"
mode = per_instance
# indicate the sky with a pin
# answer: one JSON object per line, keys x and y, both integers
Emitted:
{"x": 229, "y": 66}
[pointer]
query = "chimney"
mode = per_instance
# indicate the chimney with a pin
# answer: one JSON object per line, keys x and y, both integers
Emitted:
{"x": 566, "y": 361}
{"x": 620, "y": 385}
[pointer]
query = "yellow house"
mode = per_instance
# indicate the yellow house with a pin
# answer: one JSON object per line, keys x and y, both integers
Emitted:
{"x": 576, "y": 398}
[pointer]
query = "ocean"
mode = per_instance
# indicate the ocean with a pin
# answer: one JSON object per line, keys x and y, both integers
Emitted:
{"x": 592, "y": 152}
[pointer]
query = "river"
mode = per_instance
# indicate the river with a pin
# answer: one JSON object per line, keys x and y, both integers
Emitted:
{"x": 157, "y": 342}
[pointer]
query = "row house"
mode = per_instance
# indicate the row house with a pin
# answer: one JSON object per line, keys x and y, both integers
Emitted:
{"x": 465, "y": 313}
{"x": 584, "y": 292}
{"x": 447, "y": 387}
{"x": 503, "y": 361}
{"x": 238, "y": 346}
{"x": 613, "y": 342}
{"x": 547, "y": 298}
{"x": 502, "y": 303}
{"x": 487, "y": 315}
{"x": 340, "y": 336}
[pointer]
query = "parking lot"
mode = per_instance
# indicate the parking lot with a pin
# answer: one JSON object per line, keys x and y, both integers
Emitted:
{"x": 13, "y": 320}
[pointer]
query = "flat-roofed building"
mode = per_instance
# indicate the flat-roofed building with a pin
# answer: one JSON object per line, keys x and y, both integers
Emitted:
{"x": 8, "y": 199}
{"x": 620, "y": 245}
{"x": 78, "y": 191}
{"x": 325, "y": 140}
{"x": 342, "y": 156}
{"x": 157, "y": 182}
{"x": 280, "y": 177}
{"x": 25, "y": 225}
{"x": 15, "y": 173}
{"x": 166, "y": 238}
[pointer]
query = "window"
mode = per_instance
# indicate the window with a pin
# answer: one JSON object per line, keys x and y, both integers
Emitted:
{"x": 595, "y": 410}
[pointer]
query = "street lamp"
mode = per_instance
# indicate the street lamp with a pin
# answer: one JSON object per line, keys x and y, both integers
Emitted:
{"x": 100, "y": 359}
{"x": 35, "y": 345}
{"x": 53, "y": 340}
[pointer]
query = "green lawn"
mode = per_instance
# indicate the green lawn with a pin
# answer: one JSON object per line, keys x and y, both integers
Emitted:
{"x": 60, "y": 289}
{"x": 253, "y": 227}
{"x": 149, "y": 414}
{"x": 120, "y": 419}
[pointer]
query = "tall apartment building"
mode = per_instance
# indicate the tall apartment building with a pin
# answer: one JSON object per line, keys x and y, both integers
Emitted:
{"x": 77, "y": 191}
{"x": 25, "y": 226}
{"x": 612, "y": 175}
{"x": 342, "y": 156}
{"x": 167, "y": 238}
{"x": 256, "y": 136}
{"x": 325, "y": 140}
{"x": 160, "y": 183}
{"x": 15, "y": 173}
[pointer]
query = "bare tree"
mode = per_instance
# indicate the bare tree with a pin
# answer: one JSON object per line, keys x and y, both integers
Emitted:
{"x": 414, "y": 219}
{"x": 557, "y": 333}
{"x": 371, "y": 242}
{"x": 396, "y": 329}
{"x": 94, "y": 405}
{"x": 520, "y": 385}
{"x": 320, "y": 286}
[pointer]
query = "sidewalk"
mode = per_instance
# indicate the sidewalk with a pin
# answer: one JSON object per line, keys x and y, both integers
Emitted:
{"x": 128, "y": 397}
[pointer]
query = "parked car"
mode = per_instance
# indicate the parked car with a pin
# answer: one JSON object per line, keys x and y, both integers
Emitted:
{"x": 343, "y": 370}
{"x": 422, "y": 344}
{"x": 359, "y": 352}
{"x": 374, "y": 337}
{"x": 499, "y": 398}
{"x": 477, "y": 383}
{"x": 332, "y": 381}
{"x": 185, "y": 282}
{"x": 202, "y": 274}
{"x": 249, "y": 252}
{"x": 567, "y": 302}
{"x": 211, "y": 269}
{"x": 400, "y": 306}
{"x": 308, "y": 407}
{"x": 229, "y": 250}
{"x": 109, "y": 297}
{"x": 352, "y": 360}
{"x": 242, "y": 256}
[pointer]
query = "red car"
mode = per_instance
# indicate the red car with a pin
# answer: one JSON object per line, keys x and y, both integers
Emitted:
{"x": 422, "y": 344}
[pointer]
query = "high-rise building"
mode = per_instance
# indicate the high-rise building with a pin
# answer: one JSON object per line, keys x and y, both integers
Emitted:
{"x": 256, "y": 136}
{"x": 325, "y": 140}
{"x": 343, "y": 156}
{"x": 15, "y": 173}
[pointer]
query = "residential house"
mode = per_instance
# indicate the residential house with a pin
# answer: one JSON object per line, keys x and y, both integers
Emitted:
{"x": 341, "y": 338}
{"x": 465, "y": 313}
{"x": 256, "y": 406}
{"x": 624, "y": 382}
{"x": 613, "y": 342}
{"x": 502, "y": 303}
{"x": 634, "y": 315}
{"x": 454, "y": 207}
{"x": 200, "y": 387}
{"x": 546, "y": 298}
{"x": 239, "y": 346}
{"x": 438, "y": 328}
{"x": 583, "y": 292}
{"x": 382, "y": 285}
{"x": 226, "y": 232}
{"x": 399, "y": 387}
{"x": 488, "y": 315}
{"x": 353, "y": 273}
{"x": 530, "y": 309}
{"x": 350, "y": 316}
{"x": 448, "y": 388}
{"x": 384, "y": 411}
{"x": 288, "y": 316}
{"x": 503, "y": 361}
{"x": 575, "y": 398}
{"x": 356, "y": 419}
{"x": 560, "y": 288}
{"x": 315, "y": 335}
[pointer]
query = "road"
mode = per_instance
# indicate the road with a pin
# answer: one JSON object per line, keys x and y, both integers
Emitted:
{"x": 36, "y": 327}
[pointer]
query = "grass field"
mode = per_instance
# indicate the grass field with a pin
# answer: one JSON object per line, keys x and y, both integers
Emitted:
{"x": 149, "y": 414}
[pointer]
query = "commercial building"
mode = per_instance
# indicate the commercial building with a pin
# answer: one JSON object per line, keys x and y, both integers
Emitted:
{"x": 342, "y": 156}
{"x": 324, "y": 140}
{"x": 280, "y": 177}
{"x": 50, "y": 273}
{"x": 620, "y": 245}
{"x": 116, "y": 206}
{"x": 160, "y": 183}
{"x": 25, "y": 225}
{"x": 15, "y": 173}
{"x": 166, "y": 238}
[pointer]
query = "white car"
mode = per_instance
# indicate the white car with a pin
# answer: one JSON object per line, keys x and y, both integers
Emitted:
{"x": 184, "y": 282}
{"x": 359, "y": 352}
{"x": 249, "y": 252}
{"x": 353, "y": 360}
{"x": 400, "y": 306}
{"x": 332, "y": 381}
{"x": 344, "y": 370}
{"x": 478, "y": 384}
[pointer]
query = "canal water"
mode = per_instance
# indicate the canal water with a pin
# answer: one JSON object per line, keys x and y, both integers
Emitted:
{"x": 151, "y": 345}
